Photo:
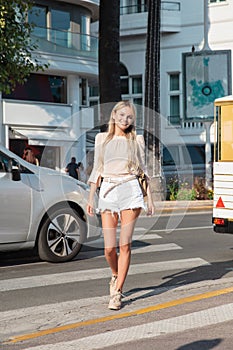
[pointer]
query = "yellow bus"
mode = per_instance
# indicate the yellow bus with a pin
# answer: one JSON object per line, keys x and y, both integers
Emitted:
{"x": 223, "y": 165}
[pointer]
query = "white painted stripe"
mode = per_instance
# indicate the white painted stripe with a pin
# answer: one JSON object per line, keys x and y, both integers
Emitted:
{"x": 136, "y": 229}
{"x": 139, "y": 237}
{"x": 166, "y": 265}
{"x": 150, "y": 330}
{"x": 183, "y": 229}
{"x": 138, "y": 250}
{"x": 139, "y": 229}
{"x": 86, "y": 275}
{"x": 155, "y": 248}
{"x": 36, "y": 263}
{"x": 146, "y": 237}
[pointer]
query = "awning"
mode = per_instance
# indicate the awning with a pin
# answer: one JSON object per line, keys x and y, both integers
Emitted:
{"x": 53, "y": 137}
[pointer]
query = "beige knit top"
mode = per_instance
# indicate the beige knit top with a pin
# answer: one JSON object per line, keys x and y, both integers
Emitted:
{"x": 113, "y": 162}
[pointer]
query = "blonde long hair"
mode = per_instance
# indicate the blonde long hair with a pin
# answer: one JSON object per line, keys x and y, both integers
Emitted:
{"x": 133, "y": 162}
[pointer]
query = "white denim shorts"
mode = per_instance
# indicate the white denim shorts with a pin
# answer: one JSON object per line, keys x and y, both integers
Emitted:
{"x": 126, "y": 195}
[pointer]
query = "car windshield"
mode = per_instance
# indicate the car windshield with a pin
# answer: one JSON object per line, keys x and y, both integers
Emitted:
{"x": 7, "y": 163}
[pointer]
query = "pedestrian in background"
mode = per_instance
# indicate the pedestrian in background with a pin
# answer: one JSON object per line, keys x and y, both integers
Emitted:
{"x": 72, "y": 168}
{"x": 119, "y": 154}
{"x": 82, "y": 172}
{"x": 29, "y": 156}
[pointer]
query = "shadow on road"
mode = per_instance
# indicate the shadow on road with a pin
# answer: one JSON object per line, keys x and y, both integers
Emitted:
{"x": 18, "y": 258}
{"x": 201, "y": 345}
{"x": 214, "y": 271}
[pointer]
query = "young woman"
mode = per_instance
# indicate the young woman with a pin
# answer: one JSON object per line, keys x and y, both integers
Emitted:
{"x": 119, "y": 154}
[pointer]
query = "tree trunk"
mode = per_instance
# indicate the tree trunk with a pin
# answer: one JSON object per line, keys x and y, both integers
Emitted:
{"x": 109, "y": 58}
{"x": 152, "y": 94}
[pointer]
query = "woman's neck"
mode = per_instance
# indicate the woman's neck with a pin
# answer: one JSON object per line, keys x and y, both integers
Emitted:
{"x": 119, "y": 132}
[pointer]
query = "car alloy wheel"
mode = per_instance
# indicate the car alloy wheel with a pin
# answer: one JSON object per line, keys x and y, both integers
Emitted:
{"x": 61, "y": 236}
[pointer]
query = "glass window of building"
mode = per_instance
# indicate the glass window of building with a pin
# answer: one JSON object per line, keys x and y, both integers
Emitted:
{"x": 133, "y": 6}
{"x": 60, "y": 22}
{"x": 67, "y": 27}
{"x": 83, "y": 92}
{"x": 124, "y": 85}
{"x": 95, "y": 106}
{"x": 94, "y": 91}
{"x": 124, "y": 80}
{"x": 137, "y": 85}
{"x": 38, "y": 16}
{"x": 41, "y": 87}
{"x": 85, "y": 31}
{"x": 58, "y": 88}
{"x": 174, "y": 99}
{"x": 216, "y": 1}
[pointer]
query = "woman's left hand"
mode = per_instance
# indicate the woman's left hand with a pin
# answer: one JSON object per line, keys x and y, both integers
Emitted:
{"x": 150, "y": 207}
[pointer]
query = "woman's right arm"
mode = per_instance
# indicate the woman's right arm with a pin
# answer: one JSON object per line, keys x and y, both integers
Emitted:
{"x": 95, "y": 174}
{"x": 91, "y": 200}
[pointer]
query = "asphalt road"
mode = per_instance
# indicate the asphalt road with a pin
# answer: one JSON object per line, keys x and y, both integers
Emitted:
{"x": 178, "y": 294}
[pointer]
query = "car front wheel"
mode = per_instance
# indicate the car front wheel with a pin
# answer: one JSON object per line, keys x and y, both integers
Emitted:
{"x": 61, "y": 235}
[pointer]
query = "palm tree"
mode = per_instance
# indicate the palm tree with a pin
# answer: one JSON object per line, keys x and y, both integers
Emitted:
{"x": 152, "y": 92}
{"x": 109, "y": 57}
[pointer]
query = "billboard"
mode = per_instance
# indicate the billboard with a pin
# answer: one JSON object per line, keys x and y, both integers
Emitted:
{"x": 206, "y": 76}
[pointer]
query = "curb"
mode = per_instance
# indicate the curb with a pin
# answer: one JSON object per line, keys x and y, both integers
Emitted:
{"x": 183, "y": 206}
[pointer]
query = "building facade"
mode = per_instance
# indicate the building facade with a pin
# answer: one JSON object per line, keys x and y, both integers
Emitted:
{"x": 56, "y": 113}
{"x": 187, "y": 28}
{"x": 49, "y": 113}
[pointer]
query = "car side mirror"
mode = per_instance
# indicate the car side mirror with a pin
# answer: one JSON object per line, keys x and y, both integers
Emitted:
{"x": 14, "y": 168}
{"x": 16, "y": 176}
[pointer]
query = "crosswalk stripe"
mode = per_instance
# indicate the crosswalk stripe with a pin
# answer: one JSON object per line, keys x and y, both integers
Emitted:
{"x": 198, "y": 319}
{"x": 155, "y": 248}
{"x": 86, "y": 275}
{"x": 169, "y": 230}
{"x": 146, "y": 236}
{"x": 139, "y": 250}
{"x": 99, "y": 243}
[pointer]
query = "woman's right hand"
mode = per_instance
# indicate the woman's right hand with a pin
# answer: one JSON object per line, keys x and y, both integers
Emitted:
{"x": 90, "y": 209}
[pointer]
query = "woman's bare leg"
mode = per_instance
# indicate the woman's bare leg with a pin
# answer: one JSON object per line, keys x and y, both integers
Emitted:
{"x": 109, "y": 224}
{"x": 128, "y": 220}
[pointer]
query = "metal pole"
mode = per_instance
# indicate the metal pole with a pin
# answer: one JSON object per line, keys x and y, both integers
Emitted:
{"x": 208, "y": 165}
{"x": 206, "y": 24}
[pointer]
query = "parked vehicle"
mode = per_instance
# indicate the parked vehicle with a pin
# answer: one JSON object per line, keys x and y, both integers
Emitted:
{"x": 223, "y": 166}
{"x": 184, "y": 160}
{"x": 43, "y": 208}
{"x": 182, "y": 164}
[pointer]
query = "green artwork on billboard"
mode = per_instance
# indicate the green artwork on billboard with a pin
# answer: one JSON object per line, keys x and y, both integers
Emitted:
{"x": 207, "y": 76}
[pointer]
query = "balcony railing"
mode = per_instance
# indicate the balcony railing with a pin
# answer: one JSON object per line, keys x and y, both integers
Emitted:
{"x": 138, "y": 8}
{"x": 65, "y": 42}
{"x": 175, "y": 121}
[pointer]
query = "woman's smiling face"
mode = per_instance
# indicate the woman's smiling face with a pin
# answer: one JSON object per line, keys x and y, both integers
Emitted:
{"x": 123, "y": 118}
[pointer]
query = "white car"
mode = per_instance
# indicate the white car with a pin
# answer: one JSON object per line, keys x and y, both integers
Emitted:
{"x": 43, "y": 208}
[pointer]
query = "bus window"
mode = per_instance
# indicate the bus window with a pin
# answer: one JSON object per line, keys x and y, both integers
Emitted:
{"x": 225, "y": 133}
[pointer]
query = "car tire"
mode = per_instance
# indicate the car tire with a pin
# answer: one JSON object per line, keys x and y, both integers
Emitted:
{"x": 61, "y": 235}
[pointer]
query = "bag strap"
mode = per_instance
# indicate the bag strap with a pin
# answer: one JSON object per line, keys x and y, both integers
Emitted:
{"x": 117, "y": 184}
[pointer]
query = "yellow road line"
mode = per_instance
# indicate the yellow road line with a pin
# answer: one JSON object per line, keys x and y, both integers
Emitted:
{"x": 152, "y": 308}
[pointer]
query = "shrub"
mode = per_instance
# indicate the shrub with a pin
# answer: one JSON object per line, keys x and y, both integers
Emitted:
{"x": 178, "y": 190}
